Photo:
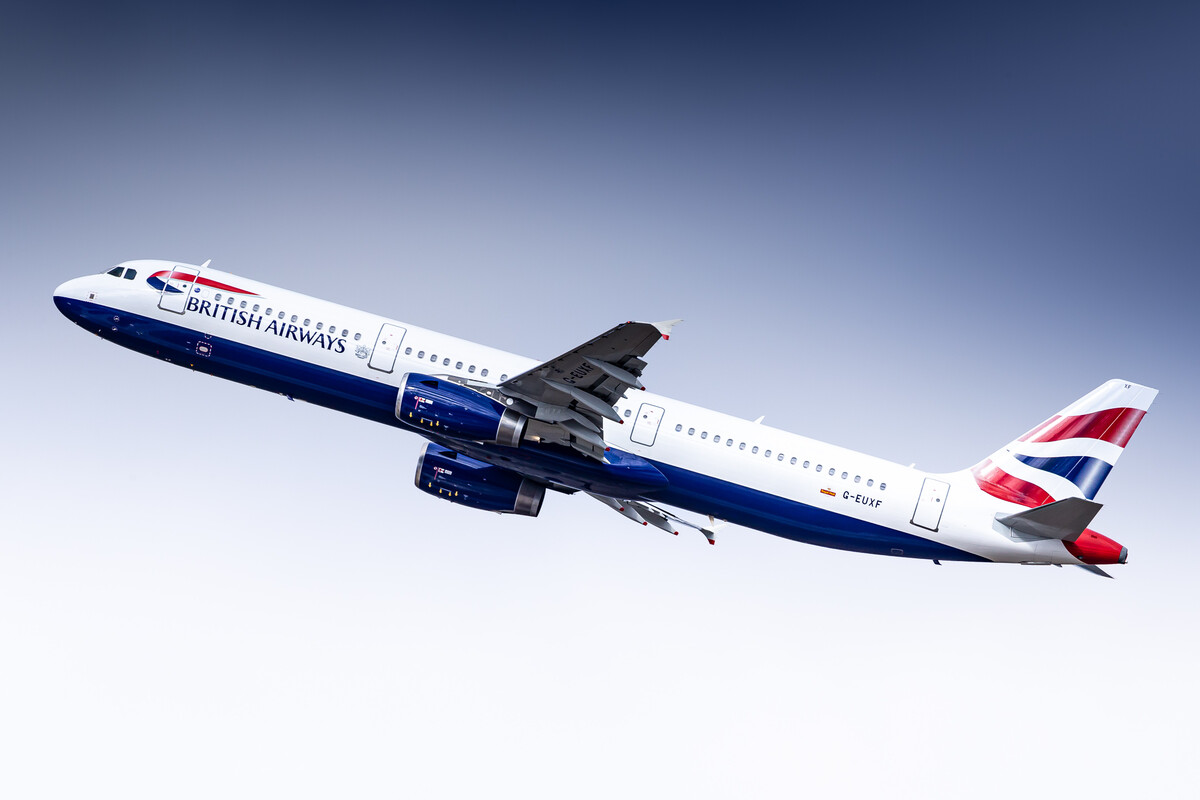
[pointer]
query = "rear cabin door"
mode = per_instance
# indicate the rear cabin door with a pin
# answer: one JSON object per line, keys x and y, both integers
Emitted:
{"x": 928, "y": 513}
{"x": 387, "y": 345}
{"x": 177, "y": 287}
{"x": 645, "y": 428}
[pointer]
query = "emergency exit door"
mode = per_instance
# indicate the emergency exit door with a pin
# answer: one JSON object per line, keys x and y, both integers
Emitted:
{"x": 645, "y": 427}
{"x": 931, "y": 503}
{"x": 387, "y": 345}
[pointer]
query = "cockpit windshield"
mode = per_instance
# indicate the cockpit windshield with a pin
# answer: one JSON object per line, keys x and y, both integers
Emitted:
{"x": 118, "y": 272}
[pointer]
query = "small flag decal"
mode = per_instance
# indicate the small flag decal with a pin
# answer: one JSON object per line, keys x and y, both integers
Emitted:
{"x": 829, "y": 492}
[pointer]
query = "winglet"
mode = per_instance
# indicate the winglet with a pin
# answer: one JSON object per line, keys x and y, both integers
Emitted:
{"x": 665, "y": 327}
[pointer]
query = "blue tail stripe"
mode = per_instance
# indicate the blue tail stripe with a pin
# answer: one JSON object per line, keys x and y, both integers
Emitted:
{"x": 1084, "y": 471}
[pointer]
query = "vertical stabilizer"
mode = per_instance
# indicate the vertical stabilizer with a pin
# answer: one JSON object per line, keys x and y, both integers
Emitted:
{"x": 1070, "y": 454}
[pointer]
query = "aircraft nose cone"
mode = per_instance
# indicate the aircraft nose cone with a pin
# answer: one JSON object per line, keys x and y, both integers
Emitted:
{"x": 69, "y": 289}
{"x": 67, "y": 298}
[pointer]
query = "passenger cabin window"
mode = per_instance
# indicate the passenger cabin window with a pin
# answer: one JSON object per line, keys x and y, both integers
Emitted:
{"x": 306, "y": 322}
{"x": 445, "y": 362}
{"x": 345, "y": 333}
{"x": 767, "y": 454}
{"x": 857, "y": 478}
{"x": 294, "y": 318}
{"x": 357, "y": 336}
{"x": 229, "y": 300}
{"x": 793, "y": 461}
{"x": 243, "y": 304}
{"x": 883, "y": 487}
{"x": 870, "y": 481}
{"x": 458, "y": 365}
{"x": 217, "y": 298}
{"x": 408, "y": 351}
{"x": 628, "y": 411}
{"x": 806, "y": 463}
{"x": 433, "y": 358}
{"x": 691, "y": 431}
{"x": 318, "y": 326}
{"x": 742, "y": 446}
{"x": 504, "y": 377}
{"x": 729, "y": 442}
{"x": 678, "y": 428}
{"x": 754, "y": 449}
{"x": 471, "y": 369}
{"x": 420, "y": 354}
{"x": 255, "y": 309}
{"x": 270, "y": 311}
{"x": 716, "y": 439}
{"x": 483, "y": 373}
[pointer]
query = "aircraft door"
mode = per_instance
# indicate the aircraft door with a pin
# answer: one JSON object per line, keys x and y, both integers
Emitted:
{"x": 177, "y": 288}
{"x": 387, "y": 346}
{"x": 645, "y": 427}
{"x": 928, "y": 513}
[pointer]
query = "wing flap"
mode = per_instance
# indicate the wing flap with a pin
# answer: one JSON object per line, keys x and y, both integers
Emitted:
{"x": 576, "y": 392}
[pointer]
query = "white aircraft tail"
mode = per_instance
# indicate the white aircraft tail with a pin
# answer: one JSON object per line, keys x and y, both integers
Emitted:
{"x": 1070, "y": 454}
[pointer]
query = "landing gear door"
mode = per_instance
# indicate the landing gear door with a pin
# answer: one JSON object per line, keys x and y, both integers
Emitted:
{"x": 645, "y": 428}
{"x": 177, "y": 285}
{"x": 387, "y": 345}
{"x": 928, "y": 513}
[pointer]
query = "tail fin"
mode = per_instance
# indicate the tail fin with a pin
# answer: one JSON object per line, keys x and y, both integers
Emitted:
{"x": 1070, "y": 454}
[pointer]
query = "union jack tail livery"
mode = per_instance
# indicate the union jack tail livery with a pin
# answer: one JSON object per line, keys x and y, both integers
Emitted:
{"x": 1070, "y": 454}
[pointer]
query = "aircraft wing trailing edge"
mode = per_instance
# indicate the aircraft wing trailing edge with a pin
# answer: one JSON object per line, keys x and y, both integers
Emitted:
{"x": 573, "y": 394}
{"x": 650, "y": 514}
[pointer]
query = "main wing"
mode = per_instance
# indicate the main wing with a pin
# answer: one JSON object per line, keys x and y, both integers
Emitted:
{"x": 569, "y": 397}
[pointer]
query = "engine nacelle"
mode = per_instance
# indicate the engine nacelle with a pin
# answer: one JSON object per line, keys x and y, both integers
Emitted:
{"x": 461, "y": 479}
{"x": 451, "y": 409}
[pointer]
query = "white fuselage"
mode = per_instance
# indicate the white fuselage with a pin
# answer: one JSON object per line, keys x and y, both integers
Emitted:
{"x": 762, "y": 472}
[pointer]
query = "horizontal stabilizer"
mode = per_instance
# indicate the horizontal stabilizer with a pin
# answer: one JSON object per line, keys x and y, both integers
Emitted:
{"x": 1065, "y": 520}
{"x": 1092, "y": 568}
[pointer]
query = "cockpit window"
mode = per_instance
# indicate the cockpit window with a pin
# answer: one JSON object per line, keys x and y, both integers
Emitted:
{"x": 116, "y": 271}
{"x": 130, "y": 274}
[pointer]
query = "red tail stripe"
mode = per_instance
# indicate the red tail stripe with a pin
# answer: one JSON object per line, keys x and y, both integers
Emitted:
{"x": 1114, "y": 425}
{"x": 1000, "y": 484}
{"x": 1027, "y": 437}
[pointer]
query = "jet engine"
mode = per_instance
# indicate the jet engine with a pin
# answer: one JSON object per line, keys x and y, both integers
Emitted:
{"x": 460, "y": 479}
{"x": 434, "y": 405}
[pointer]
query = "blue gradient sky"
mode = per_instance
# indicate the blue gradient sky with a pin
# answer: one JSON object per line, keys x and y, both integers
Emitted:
{"x": 911, "y": 231}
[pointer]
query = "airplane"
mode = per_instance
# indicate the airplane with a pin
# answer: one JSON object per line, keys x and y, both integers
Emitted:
{"x": 503, "y": 429}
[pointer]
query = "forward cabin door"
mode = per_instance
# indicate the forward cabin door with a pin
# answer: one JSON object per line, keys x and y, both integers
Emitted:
{"x": 928, "y": 513}
{"x": 645, "y": 428}
{"x": 387, "y": 345}
{"x": 177, "y": 288}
